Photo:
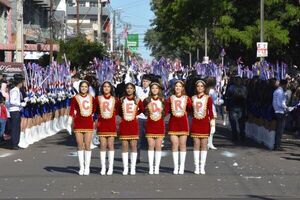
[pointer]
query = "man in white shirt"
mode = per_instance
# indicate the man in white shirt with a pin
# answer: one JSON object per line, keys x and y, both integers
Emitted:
{"x": 76, "y": 81}
{"x": 142, "y": 93}
{"x": 15, "y": 106}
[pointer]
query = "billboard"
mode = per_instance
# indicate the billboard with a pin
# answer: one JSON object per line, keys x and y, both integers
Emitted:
{"x": 132, "y": 42}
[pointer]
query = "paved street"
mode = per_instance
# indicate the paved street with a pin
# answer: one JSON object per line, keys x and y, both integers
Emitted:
{"x": 48, "y": 169}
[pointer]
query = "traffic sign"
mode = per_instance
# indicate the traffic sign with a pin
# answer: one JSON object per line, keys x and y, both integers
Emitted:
{"x": 262, "y": 49}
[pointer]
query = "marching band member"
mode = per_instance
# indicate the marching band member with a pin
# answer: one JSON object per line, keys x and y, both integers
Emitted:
{"x": 154, "y": 108}
{"x": 211, "y": 84}
{"x": 107, "y": 128}
{"x": 129, "y": 129}
{"x": 179, "y": 103}
{"x": 203, "y": 124}
{"x": 142, "y": 93}
{"x": 81, "y": 111}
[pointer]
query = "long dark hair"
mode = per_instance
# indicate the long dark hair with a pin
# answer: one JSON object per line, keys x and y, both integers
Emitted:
{"x": 80, "y": 84}
{"x": 160, "y": 97}
{"x": 182, "y": 83}
{"x": 204, "y": 84}
{"x": 112, "y": 89}
{"x": 134, "y": 93}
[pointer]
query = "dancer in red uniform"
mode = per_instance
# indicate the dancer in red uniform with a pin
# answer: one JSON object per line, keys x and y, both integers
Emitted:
{"x": 203, "y": 124}
{"x": 107, "y": 128}
{"x": 154, "y": 109}
{"x": 178, "y": 105}
{"x": 81, "y": 112}
{"x": 129, "y": 108}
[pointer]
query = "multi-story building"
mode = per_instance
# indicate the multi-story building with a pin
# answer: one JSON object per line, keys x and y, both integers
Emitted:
{"x": 88, "y": 18}
{"x": 5, "y": 28}
{"x": 36, "y": 29}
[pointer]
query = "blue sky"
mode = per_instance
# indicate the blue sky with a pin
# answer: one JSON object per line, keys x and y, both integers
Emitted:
{"x": 138, "y": 14}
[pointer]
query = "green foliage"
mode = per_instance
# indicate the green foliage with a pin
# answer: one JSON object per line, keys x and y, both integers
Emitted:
{"x": 80, "y": 51}
{"x": 178, "y": 28}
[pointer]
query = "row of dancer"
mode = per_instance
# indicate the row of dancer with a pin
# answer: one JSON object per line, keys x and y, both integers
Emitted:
{"x": 85, "y": 109}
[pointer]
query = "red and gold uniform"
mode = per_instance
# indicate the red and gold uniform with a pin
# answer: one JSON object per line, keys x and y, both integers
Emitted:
{"x": 82, "y": 110}
{"x": 202, "y": 115}
{"x": 155, "y": 125}
{"x": 178, "y": 106}
{"x": 129, "y": 109}
{"x": 107, "y": 108}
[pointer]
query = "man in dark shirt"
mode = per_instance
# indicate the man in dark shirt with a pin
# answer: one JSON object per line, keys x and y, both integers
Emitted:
{"x": 236, "y": 105}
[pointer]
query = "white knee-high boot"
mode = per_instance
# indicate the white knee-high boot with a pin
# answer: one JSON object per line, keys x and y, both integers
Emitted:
{"x": 196, "y": 162}
{"x": 81, "y": 162}
{"x": 175, "y": 161}
{"x": 157, "y": 161}
{"x": 22, "y": 142}
{"x": 203, "y": 161}
{"x": 103, "y": 159}
{"x": 111, "y": 156}
{"x": 125, "y": 163}
{"x": 182, "y": 162}
{"x": 210, "y": 144}
{"x": 87, "y": 161}
{"x": 151, "y": 161}
{"x": 133, "y": 157}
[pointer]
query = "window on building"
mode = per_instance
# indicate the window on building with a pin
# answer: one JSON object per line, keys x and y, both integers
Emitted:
{"x": 71, "y": 3}
{"x": 93, "y": 4}
{"x": 82, "y": 3}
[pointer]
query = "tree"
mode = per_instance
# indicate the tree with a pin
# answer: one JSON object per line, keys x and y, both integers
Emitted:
{"x": 80, "y": 51}
{"x": 179, "y": 25}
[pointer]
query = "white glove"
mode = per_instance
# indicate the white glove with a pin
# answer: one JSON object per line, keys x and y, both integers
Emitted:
{"x": 220, "y": 101}
{"x": 23, "y": 104}
{"x": 290, "y": 109}
{"x": 212, "y": 126}
{"x": 26, "y": 99}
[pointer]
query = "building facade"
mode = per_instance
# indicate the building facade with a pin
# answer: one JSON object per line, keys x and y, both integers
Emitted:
{"x": 36, "y": 30}
{"x": 5, "y": 28}
{"x": 88, "y": 19}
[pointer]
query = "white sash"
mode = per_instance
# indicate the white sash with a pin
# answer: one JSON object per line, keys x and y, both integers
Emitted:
{"x": 178, "y": 105}
{"x": 129, "y": 109}
{"x": 107, "y": 107}
{"x": 155, "y": 108}
{"x": 85, "y": 105}
{"x": 200, "y": 106}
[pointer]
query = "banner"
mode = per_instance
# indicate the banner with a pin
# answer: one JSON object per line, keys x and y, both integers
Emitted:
{"x": 132, "y": 42}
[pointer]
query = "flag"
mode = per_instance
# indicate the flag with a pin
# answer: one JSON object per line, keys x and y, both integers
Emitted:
{"x": 124, "y": 33}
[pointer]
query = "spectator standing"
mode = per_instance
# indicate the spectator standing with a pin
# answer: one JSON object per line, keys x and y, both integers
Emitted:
{"x": 280, "y": 108}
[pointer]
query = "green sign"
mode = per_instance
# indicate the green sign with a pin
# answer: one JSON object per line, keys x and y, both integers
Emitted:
{"x": 132, "y": 42}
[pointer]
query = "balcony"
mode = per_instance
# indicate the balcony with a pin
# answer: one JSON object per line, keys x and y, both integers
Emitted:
{"x": 42, "y": 3}
{"x": 89, "y": 11}
{"x": 36, "y": 34}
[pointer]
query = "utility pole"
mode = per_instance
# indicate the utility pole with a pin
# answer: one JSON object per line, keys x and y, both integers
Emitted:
{"x": 190, "y": 55}
{"x": 77, "y": 16}
{"x": 99, "y": 21}
{"x": 112, "y": 31}
{"x": 205, "y": 35}
{"x": 20, "y": 34}
{"x": 262, "y": 23}
{"x": 205, "y": 59}
{"x": 51, "y": 31}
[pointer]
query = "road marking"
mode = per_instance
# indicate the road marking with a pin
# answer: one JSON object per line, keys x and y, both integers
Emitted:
{"x": 228, "y": 154}
{"x": 257, "y": 177}
{"x": 5, "y": 155}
